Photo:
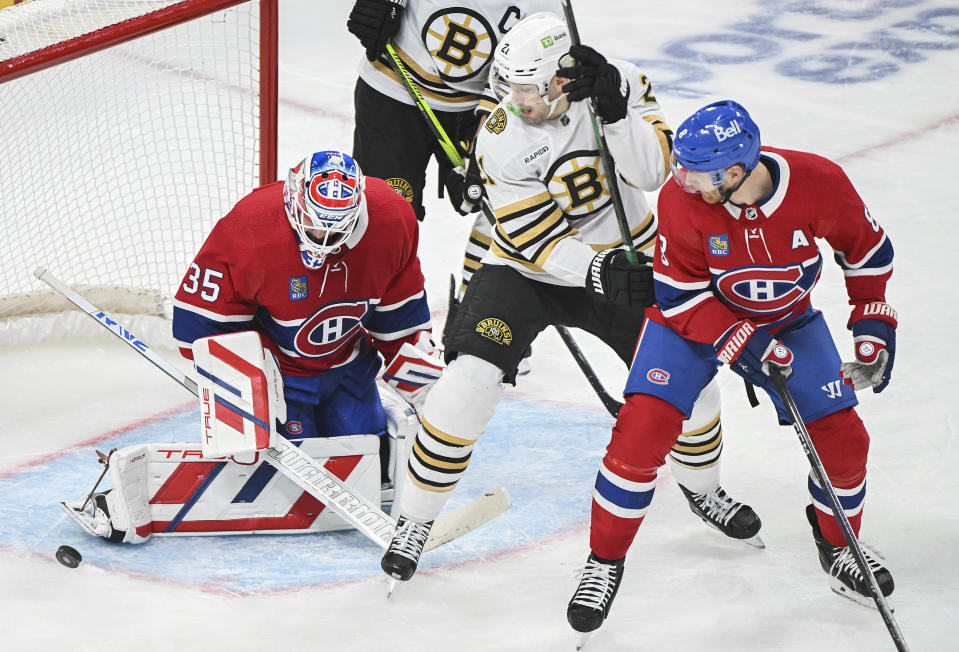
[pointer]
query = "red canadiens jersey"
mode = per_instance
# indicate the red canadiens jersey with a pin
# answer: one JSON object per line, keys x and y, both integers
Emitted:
{"x": 718, "y": 264}
{"x": 249, "y": 275}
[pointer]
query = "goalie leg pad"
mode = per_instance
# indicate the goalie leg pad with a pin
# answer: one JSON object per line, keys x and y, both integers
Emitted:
{"x": 695, "y": 457}
{"x": 456, "y": 413}
{"x": 172, "y": 489}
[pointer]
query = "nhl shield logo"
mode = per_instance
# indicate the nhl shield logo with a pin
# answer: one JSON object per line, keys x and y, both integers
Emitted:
{"x": 751, "y": 213}
{"x": 496, "y": 330}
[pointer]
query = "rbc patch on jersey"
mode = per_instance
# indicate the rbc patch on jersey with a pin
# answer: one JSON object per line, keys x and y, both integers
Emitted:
{"x": 298, "y": 288}
{"x": 719, "y": 245}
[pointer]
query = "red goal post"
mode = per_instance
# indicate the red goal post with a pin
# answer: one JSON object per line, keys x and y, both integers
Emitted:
{"x": 128, "y": 128}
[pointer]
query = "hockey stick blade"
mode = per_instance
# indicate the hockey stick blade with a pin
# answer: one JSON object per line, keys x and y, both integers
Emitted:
{"x": 469, "y": 517}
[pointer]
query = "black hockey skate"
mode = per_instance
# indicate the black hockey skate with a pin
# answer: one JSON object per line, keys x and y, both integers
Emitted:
{"x": 846, "y": 578}
{"x": 400, "y": 559}
{"x": 598, "y": 583}
{"x": 731, "y": 517}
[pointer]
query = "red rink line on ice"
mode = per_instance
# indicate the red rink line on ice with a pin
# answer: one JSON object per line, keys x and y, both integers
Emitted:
{"x": 897, "y": 140}
{"x": 99, "y": 438}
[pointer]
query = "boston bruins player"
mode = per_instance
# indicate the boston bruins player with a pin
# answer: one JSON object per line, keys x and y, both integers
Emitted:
{"x": 447, "y": 49}
{"x": 555, "y": 258}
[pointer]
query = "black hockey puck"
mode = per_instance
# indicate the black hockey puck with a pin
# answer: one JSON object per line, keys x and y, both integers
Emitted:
{"x": 69, "y": 556}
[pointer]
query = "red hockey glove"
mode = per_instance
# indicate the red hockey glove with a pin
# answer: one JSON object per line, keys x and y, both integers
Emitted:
{"x": 415, "y": 369}
{"x": 873, "y": 328}
{"x": 749, "y": 351}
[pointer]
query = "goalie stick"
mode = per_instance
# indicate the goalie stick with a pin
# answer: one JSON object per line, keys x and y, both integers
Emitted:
{"x": 820, "y": 472}
{"x": 452, "y": 153}
{"x": 303, "y": 470}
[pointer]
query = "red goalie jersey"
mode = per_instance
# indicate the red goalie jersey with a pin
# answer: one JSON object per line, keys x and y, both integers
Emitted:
{"x": 761, "y": 262}
{"x": 249, "y": 275}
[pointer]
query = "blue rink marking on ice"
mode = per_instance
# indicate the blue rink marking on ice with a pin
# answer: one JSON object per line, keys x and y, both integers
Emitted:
{"x": 545, "y": 454}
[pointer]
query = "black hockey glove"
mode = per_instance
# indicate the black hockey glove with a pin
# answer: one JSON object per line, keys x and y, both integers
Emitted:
{"x": 375, "y": 23}
{"x": 592, "y": 76}
{"x": 465, "y": 187}
{"x": 612, "y": 275}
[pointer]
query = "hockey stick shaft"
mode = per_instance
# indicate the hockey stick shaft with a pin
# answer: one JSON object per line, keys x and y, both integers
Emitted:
{"x": 610, "y": 403}
{"x": 299, "y": 467}
{"x": 452, "y": 153}
{"x": 604, "y": 152}
{"x": 847, "y": 532}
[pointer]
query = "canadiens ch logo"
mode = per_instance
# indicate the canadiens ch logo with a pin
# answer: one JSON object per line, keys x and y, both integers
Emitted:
{"x": 496, "y": 330}
{"x": 294, "y": 427}
{"x": 497, "y": 122}
{"x": 719, "y": 245}
{"x": 767, "y": 289}
{"x": 298, "y": 288}
{"x": 329, "y": 328}
{"x": 658, "y": 376}
{"x": 402, "y": 188}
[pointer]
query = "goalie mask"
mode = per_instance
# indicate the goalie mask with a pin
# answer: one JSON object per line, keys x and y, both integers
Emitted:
{"x": 528, "y": 57}
{"x": 323, "y": 195}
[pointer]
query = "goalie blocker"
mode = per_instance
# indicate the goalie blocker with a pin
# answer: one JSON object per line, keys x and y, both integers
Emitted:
{"x": 224, "y": 485}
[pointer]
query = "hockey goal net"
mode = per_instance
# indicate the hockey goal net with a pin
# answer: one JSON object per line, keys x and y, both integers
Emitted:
{"x": 128, "y": 128}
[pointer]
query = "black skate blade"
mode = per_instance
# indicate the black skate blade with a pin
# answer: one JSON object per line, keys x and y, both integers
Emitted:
{"x": 754, "y": 541}
{"x": 862, "y": 600}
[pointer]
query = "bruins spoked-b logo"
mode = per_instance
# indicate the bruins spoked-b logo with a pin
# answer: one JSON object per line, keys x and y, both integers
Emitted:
{"x": 460, "y": 42}
{"x": 577, "y": 182}
{"x": 496, "y": 330}
{"x": 497, "y": 122}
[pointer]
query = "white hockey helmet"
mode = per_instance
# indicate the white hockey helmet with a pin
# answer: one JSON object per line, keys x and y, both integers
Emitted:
{"x": 530, "y": 53}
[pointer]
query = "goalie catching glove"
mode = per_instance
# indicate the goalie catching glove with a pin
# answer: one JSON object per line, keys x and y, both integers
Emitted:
{"x": 415, "y": 369}
{"x": 750, "y": 351}
{"x": 873, "y": 328}
{"x": 612, "y": 275}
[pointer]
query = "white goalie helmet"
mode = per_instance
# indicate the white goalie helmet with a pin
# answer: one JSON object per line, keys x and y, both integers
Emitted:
{"x": 530, "y": 54}
{"x": 323, "y": 197}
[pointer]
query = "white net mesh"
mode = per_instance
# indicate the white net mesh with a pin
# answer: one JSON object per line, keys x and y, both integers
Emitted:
{"x": 117, "y": 164}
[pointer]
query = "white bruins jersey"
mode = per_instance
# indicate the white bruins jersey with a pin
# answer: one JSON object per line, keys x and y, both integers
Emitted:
{"x": 447, "y": 48}
{"x": 549, "y": 189}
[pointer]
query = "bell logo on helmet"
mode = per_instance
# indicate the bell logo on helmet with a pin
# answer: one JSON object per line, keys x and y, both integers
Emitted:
{"x": 728, "y": 132}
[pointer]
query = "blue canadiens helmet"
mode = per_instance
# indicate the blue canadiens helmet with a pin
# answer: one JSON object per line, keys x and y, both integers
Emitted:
{"x": 323, "y": 195}
{"x": 717, "y": 137}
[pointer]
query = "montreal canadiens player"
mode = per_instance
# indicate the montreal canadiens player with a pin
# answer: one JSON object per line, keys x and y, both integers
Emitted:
{"x": 554, "y": 260}
{"x": 735, "y": 263}
{"x": 321, "y": 271}
{"x": 324, "y": 267}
